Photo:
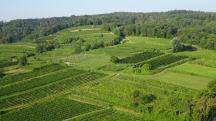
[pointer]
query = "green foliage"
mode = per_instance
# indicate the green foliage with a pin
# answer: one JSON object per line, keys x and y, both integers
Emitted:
{"x": 212, "y": 88}
{"x": 205, "y": 104}
{"x": 23, "y": 60}
{"x": 55, "y": 110}
{"x": 44, "y": 46}
{"x": 50, "y": 89}
{"x": 147, "y": 67}
{"x": 143, "y": 102}
{"x": 36, "y": 72}
{"x": 8, "y": 62}
{"x": 139, "y": 99}
{"x": 77, "y": 49}
{"x": 114, "y": 59}
{"x": 1, "y": 73}
{"x": 140, "y": 57}
{"x": 159, "y": 61}
{"x": 40, "y": 81}
{"x": 204, "y": 109}
{"x": 107, "y": 115}
{"x": 73, "y": 40}
{"x": 87, "y": 47}
{"x": 98, "y": 44}
{"x": 177, "y": 46}
{"x": 190, "y": 26}
{"x": 106, "y": 27}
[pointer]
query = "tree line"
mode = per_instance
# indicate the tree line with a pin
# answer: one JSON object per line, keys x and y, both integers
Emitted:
{"x": 191, "y": 27}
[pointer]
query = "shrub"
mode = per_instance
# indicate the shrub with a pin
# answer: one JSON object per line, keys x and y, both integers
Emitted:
{"x": 140, "y": 99}
{"x": 178, "y": 46}
{"x": 87, "y": 47}
{"x": 147, "y": 67}
{"x": 145, "y": 99}
{"x": 205, "y": 105}
{"x": 44, "y": 46}
{"x": 98, "y": 44}
{"x": 23, "y": 60}
{"x": 77, "y": 50}
{"x": 212, "y": 88}
{"x": 1, "y": 73}
{"x": 114, "y": 59}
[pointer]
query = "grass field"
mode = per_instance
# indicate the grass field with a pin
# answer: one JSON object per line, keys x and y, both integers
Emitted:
{"x": 62, "y": 85}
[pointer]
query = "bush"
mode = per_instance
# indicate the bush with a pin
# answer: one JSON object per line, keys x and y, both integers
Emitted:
{"x": 145, "y": 99}
{"x": 77, "y": 50}
{"x": 1, "y": 73}
{"x": 46, "y": 46}
{"x": 147, "y": 67}
{"x": 114, "y": 59}
{"x": 212, "y": 86}
{"x": 30, "y": 54}
{"x": 178, "y": 46}
{"x": 98, "y": 44}
{"x": 140, "y": 99}
{"x": 87, "y": 47}
{"x": 23, "y": 60}
{"x": 205, "y": 105}
{"x": 136, "y": 94}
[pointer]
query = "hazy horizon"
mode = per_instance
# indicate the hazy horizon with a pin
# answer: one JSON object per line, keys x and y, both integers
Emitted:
{"x": 27, "y": 9}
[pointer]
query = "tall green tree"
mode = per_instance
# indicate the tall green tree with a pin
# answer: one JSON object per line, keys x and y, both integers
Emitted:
{"x": 177, "y": 46}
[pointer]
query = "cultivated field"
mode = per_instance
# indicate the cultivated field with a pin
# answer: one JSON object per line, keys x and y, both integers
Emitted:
{"x": 148, "y": 83}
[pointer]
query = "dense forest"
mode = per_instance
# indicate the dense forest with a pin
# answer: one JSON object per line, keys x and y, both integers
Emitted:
{"x": 191, "y": 27}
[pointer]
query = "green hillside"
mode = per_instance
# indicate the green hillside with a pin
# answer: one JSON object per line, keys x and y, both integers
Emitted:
{"x": 75, "y": 78}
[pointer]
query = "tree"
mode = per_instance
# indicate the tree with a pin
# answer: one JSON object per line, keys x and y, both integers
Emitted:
{"x": 177, "y": 46}
{"x": 106, "y": 27}
{"x": 23, "y": 60}
{"x": 205, "y": 104}
{"x": 114, "y": 59}
{"x": 40, "y": 48}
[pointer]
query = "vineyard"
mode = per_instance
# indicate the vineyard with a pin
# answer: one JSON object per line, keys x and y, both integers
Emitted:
{"x": 55, "y": 110}
{"x": 91, "y": 35}
{"x": 37, "y": 82}
{"x": 148, "y": 82}
{"x": 161, "y": 61}
{"x": 42, "y": 87}
{"x": 24, "y": 76}
{"x": 140, "y": 57}
{"x": 105, "y": 115}
{"x": 14, "y": 50}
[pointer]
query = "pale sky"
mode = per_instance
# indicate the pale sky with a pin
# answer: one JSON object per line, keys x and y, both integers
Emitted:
{"x": 22, "y": 9}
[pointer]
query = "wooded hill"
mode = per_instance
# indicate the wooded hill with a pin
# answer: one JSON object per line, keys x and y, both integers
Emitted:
{"x": 191, "y": 26}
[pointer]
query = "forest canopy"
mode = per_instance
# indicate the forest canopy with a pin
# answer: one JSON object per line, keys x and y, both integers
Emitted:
{"x": 191, "y": 27}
